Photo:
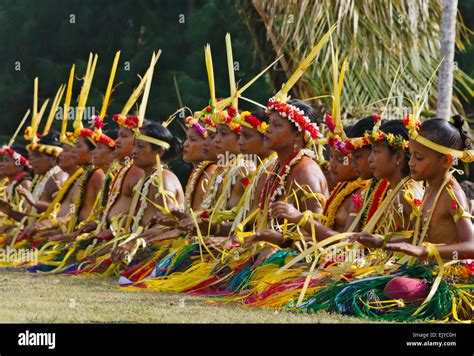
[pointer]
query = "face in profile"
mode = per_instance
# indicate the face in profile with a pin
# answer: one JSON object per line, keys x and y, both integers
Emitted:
{"x": 124, "y": 143}
{"x": 103, "y": 155}
{"x": 66, "y": 159}
{"x": 280, "y": 132}
{"x": 193, "y": 147}
{"x": 251, "y": 141}
{"x": 360, "y": 162}
{"x": 143, "y": 153}
{"x": 382, "y": 161}
{"x": 82, "y": 152}
{"x": 340, "y": 166}
{"x": 424, "y": 163}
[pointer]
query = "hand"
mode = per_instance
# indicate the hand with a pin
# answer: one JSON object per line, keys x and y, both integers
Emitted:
{"x": 61, "y": 237}
{"x": 163, "y": 220}
{"x": 27, "y": 194}
{"x": 121, "y": 252}
{"x": 153, "y": 235}
{"x": 180, "y": 214}
{"x": 366, "y": 239}
{"x": 168, "y": 235}
{"x": 189, "y": 225}
{"x": 264, "y": 255}
{"x": 28, "y": 232}
{"x": 407, "y": 248}
{"x": 222, "y": 242}
{"x": 267, "y": 235}
{"x": 87, "y": 227}
{"x": 282, "y": 210}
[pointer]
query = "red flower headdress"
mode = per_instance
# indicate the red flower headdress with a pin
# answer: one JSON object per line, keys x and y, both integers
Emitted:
{"x": 296, "y": 116}
{"x": 129, "y": 122}
{"x": 99, "y": 136}
{"x": 248, "y": 120}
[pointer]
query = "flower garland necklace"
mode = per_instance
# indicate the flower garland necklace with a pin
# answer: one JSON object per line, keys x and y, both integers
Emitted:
{"x": 142, "y": 203}
{"x": 338, "y": 195}
{"x": 110, "y": 175}
{"x": 3, "y": 188}
{"x": 376, "y": 198}
{"x": 278, "y": 182}
{"x": 190, "y": 188}
{"x": 249, "y": 194}
{"x": 218, "y": 178}
{"x": 79, "y": 198}
{"x": 114, "y": 190}
{"x": 41, "y": 184}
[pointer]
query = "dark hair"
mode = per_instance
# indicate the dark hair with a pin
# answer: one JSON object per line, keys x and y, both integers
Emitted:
{"x": 21, "y": 150}
{"x": 259, "y": 113}
{"x": 361, "y": 126}
{"x": 113, "y": 134}
{"x": 396, "y": 127}
{"x": 449, "y": 134}
{"x": 307, "y": 109}
{"x": 156, "y": 130}
{"x": 89, "y": 143}
{"x": 51, "y": 139}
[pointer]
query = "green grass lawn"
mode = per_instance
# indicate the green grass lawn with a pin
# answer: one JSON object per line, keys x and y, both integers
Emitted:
{"x": 33, "y": 298}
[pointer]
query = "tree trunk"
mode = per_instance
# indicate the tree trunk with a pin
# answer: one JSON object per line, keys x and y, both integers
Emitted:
{"x": 448, "y": 38}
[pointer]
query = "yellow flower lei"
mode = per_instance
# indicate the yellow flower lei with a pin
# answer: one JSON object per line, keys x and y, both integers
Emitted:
{"x": 341, "y": 193}
{"x": 190, "y": 188}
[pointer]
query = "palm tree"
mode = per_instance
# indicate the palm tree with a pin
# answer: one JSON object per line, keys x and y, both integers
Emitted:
{"x": 448, "y": 37}
{"x": 378, "y": 37}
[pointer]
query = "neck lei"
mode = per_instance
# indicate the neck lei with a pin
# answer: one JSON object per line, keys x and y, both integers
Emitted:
{"x": 375, "y": 198}
{"x": 249, "y": 194}
{"x": 340, "y": 192}
{"x": 190, "y": 189}
{"x": 115, "y": 188}
{"x": 79, "y": 198}
{"x": 213, "y": 187}
{"x": 63, "y": 191}
{"x": 142, "y": 201}
{"x": 41, "y": 184}
{"x": 275, "y": 184}
{"x": 3, "y": 188}
{"x": 382, "y": 219}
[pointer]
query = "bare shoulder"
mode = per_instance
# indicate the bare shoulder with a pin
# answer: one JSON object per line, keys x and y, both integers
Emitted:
{"x": 26, "y": 183}
{"x": 97, "y": 177}
{"x": 459, "y": 194}
{"x": 169, "y": 178}
{"x": 133, "y": 175}
{"x": 308, "y": 172}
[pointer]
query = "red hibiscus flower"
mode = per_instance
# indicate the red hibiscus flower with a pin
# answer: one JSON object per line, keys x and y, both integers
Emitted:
{"x": 232, "y": 111}
{"x": 357, "y": 201}
{"x": 454, "y": 205}
{"x": 330, "y": 123}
